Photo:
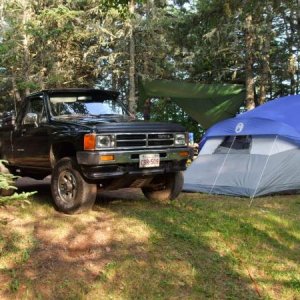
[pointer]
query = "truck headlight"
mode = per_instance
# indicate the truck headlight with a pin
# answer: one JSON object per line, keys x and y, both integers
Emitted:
{"x": 180, "y": 139}
{"x": 105, "y": 141}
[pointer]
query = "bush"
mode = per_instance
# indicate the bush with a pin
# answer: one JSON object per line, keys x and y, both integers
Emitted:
{"x": 6, "y": 179}
{"x": 7, "y": 184}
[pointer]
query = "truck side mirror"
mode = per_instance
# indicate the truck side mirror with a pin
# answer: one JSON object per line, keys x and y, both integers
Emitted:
{"x": 31, "y": 119}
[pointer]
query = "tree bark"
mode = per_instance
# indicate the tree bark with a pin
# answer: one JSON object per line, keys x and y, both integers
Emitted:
{"x": 292, "y": 75}
{"x": 249, "y": 63}
{"x": 290, "y": 30}
{"x": 292, "y": 59}
{"x": 27, "y": 62}
{"x": 265, "y": 71}
{"x": 298, "y": 16}
{"x": 16, "y": 92}
{"x": 147, "y": 109}
{"x": 131, "y": 98}
{"x": 298, "y": 39}
{"x": 2, "y": 21}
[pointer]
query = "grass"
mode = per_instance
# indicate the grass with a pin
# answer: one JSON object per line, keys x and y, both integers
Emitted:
{"x": 198, "y": 247}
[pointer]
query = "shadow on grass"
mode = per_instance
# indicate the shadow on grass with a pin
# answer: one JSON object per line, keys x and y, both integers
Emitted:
{"x": 42, "y": 187}
{"x": 182, "y": 230}
{"x": 130, "y": 248}
{"x": 182, "y": 263}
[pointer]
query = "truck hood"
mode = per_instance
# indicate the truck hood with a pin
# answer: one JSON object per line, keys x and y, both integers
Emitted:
{"x": 112, "y": 126}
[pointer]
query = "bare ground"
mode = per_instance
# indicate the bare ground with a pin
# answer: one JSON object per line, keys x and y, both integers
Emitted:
{"x": 65, "y": 251}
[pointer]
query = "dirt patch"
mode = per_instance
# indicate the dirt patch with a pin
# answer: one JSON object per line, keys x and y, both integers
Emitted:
{"x": 64, "y": 254}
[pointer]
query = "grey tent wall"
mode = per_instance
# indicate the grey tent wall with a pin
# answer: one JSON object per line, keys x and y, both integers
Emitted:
{"x": 240, "y": 174}
{"x": 263, "y": 170}
{"x": 222, "y": 166}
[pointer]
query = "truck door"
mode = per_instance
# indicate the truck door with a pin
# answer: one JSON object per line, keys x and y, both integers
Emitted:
{"x": 31, "y": 138}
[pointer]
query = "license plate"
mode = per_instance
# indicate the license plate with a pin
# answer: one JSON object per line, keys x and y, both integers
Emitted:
{"x": 149, "y": 160}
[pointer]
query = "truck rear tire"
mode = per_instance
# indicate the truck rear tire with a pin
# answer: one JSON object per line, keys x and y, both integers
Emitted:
{"x": 168, "y": 188}
{"x": 71, "y": 193}
{"x": 8, "y": 192}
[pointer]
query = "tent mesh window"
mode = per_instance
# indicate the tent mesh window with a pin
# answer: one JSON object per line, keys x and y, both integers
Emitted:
{"x": 235, "y": 144}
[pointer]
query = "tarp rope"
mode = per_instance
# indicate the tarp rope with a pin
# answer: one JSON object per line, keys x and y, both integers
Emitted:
{"x": 263, "y": 170}
{"x": 222, "y": 166}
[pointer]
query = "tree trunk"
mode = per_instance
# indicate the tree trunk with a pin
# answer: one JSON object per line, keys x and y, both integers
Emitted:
{"x": 2, "y": 21}
{"x": 27, "y": 62}
{"x": 249, "y": 63}
{"x": 293, "y": 81}
{"x": 298, "y": 44}
{"x": 147, "y": 109}
{"x": 16, "y": 93}
{"x": 293, "y": 57}
{"x": 131, "y": 98}
{"x": 265, "y": 71}
{"x": 298, "y": 17}
{"x": 290, "y": 29}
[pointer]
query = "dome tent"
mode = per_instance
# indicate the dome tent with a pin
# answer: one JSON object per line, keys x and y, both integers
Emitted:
{"x": 253, "y": 154}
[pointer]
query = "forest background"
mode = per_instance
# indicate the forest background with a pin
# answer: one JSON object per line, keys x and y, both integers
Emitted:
{"x": 114, "y": 44}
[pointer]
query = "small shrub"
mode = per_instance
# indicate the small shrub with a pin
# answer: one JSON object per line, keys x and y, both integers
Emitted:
{"x": 7, "y": 183}
{"x": 6, "y": 179}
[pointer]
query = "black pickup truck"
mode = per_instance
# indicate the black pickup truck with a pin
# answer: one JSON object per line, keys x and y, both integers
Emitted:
{"x": 86, "y": 140}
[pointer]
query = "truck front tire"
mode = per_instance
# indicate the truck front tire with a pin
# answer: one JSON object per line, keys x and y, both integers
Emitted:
{"x": 168, "y": 187}
{"x": 71, "y": 193}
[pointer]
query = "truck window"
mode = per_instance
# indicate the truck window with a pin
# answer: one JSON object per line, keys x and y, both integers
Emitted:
{"x": 84, "y": 105}
{"x": 36, "y": 105}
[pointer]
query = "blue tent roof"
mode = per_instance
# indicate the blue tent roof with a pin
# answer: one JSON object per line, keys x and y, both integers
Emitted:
{"x": 278, "y": 117}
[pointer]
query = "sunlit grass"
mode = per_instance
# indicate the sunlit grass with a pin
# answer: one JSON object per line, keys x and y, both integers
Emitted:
{"x": 198, "y": 247}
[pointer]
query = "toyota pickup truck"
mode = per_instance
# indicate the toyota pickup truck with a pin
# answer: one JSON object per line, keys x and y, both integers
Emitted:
{"x": 87, "y": 141}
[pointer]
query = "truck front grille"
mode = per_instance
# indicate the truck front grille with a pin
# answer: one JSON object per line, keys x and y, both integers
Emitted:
{"x": 143, "y": 140}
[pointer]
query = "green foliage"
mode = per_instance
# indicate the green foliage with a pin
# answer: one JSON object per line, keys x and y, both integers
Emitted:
{"x": 168, "y": 111}
{"x": 16, "y": 197}
{"x": 14, "y": 285}
{"x": 213, "y": 38}
{"x": 86, "y": 43}
{"x": 6, "y": 179}
{"x": 7, "y": 183}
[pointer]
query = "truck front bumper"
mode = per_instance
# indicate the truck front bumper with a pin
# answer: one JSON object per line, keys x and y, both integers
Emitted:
{"x": 127, "y": 162}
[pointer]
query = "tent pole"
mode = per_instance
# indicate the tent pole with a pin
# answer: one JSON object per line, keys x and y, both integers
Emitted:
{"x": 222, "y": 166}
{"x": 263, "y": 170}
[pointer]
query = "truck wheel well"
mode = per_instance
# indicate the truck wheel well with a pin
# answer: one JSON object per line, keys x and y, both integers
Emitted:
{"x": 61, "y": 150}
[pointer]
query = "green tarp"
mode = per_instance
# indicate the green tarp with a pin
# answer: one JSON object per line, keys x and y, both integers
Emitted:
{"x": 205, "y": 103}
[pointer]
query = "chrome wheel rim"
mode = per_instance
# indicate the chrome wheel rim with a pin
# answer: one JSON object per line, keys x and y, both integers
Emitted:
{"x": 67, "y": 186}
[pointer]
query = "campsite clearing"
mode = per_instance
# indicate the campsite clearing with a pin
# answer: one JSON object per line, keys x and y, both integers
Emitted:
{"x": 198, "y": 247}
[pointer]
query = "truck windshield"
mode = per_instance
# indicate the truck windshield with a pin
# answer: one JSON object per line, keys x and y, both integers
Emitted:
{"x": 85, "y": 106}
